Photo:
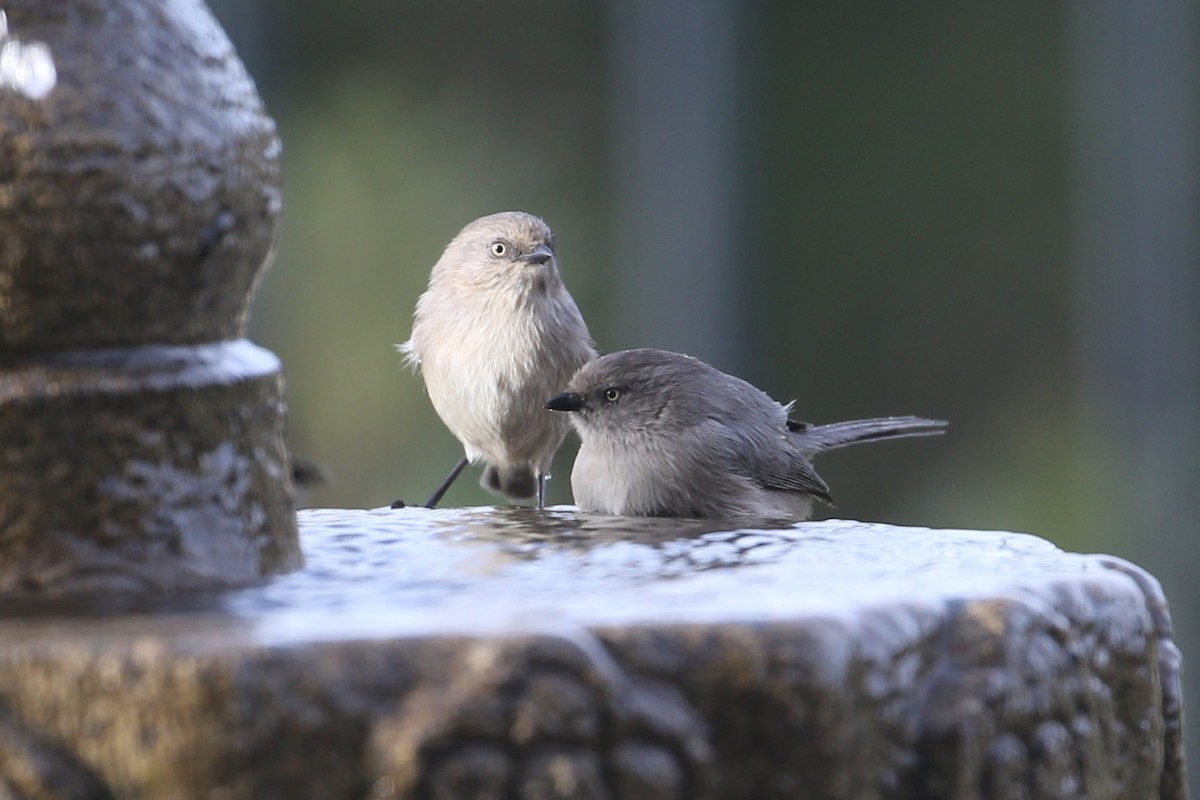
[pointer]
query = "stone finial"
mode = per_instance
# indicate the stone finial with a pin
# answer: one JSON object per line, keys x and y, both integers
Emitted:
{"x": 140, "y": 440}
{"x": 139, "y": 198}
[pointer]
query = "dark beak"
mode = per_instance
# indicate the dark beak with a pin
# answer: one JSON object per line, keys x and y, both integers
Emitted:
{"x": 567, "y": 401}
{"x": 538, "y": 255}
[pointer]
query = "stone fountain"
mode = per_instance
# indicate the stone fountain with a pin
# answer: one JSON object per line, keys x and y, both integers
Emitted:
{"x": 163, "y": 638}
{"x": 140, "y": 435}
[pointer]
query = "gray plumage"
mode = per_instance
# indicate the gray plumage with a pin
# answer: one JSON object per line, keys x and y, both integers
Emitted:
{"x": 664, "y": 434}
{"x": 494, "y": 335}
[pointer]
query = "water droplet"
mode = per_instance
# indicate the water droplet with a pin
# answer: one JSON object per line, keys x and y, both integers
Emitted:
{"x": 27, "y": 68}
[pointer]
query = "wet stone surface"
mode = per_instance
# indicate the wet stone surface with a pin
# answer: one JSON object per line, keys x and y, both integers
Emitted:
{"x": 140, "y": 196}
{"x": 141, "y": 439}
{"x": 154, "y": 468}
{"x": 509, "y": 653}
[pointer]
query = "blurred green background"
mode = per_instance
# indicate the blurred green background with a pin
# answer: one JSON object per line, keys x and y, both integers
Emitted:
{"x": 980, "y": 212}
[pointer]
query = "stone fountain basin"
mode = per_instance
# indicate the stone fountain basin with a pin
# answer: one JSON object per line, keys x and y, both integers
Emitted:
{"x": 507, "y": 652}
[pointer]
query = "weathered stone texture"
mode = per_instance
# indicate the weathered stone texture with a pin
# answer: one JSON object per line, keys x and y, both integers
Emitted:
{"x": 154, "y": 469}
{"x": 141, "y": 440}
{"x": 459, "y": 654}
{"x": 140, "y": 198}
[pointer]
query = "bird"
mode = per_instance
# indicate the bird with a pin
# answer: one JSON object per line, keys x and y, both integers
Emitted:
{"x": 494, "y": 334}
{"x": 667, "y": 435}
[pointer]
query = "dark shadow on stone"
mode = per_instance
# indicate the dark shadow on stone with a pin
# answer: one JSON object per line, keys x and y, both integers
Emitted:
{"x": 33, "y": 767}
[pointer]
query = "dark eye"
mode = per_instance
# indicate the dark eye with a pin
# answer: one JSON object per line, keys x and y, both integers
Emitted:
{"x": 499, "y": 249}
{"x": 612, "y": 394}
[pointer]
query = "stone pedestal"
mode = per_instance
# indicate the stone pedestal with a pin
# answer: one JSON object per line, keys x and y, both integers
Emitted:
{"x": 140, "y": 439}
{"x": 507, "y": 653}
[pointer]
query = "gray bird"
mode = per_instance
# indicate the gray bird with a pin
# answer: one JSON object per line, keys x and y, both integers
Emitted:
{"x": 494, "y": 335}
{"x": 667, "y": 435}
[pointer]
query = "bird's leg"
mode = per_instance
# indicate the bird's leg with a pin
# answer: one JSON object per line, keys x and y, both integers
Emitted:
{"x": 436, "y": 497}
{"x": 542, "y": 477}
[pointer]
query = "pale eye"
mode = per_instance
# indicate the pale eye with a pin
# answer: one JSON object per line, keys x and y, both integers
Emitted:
{"x": 612, "y": 394}
{"x": 499, "y": 249}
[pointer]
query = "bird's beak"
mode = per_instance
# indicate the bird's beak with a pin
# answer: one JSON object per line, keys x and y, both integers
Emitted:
{"x": 538, "y": 255}
{"x": 567, "y": 401}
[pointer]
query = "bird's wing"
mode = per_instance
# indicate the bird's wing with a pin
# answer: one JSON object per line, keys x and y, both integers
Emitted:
{"x": 773, "y": 463}
{"x": 789, "y": 473}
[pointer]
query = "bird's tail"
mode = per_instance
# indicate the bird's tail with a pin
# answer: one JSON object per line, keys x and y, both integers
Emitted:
{"x": 813, "y": 439}
{"x": 518, "y": 483}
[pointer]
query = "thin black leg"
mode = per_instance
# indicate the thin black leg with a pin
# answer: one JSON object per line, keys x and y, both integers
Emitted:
{"x": 542, "y": 477}
{"x": 436, "y": 497}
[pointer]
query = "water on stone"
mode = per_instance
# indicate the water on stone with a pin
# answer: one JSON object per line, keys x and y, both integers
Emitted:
{"x": 386, "y": 573}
